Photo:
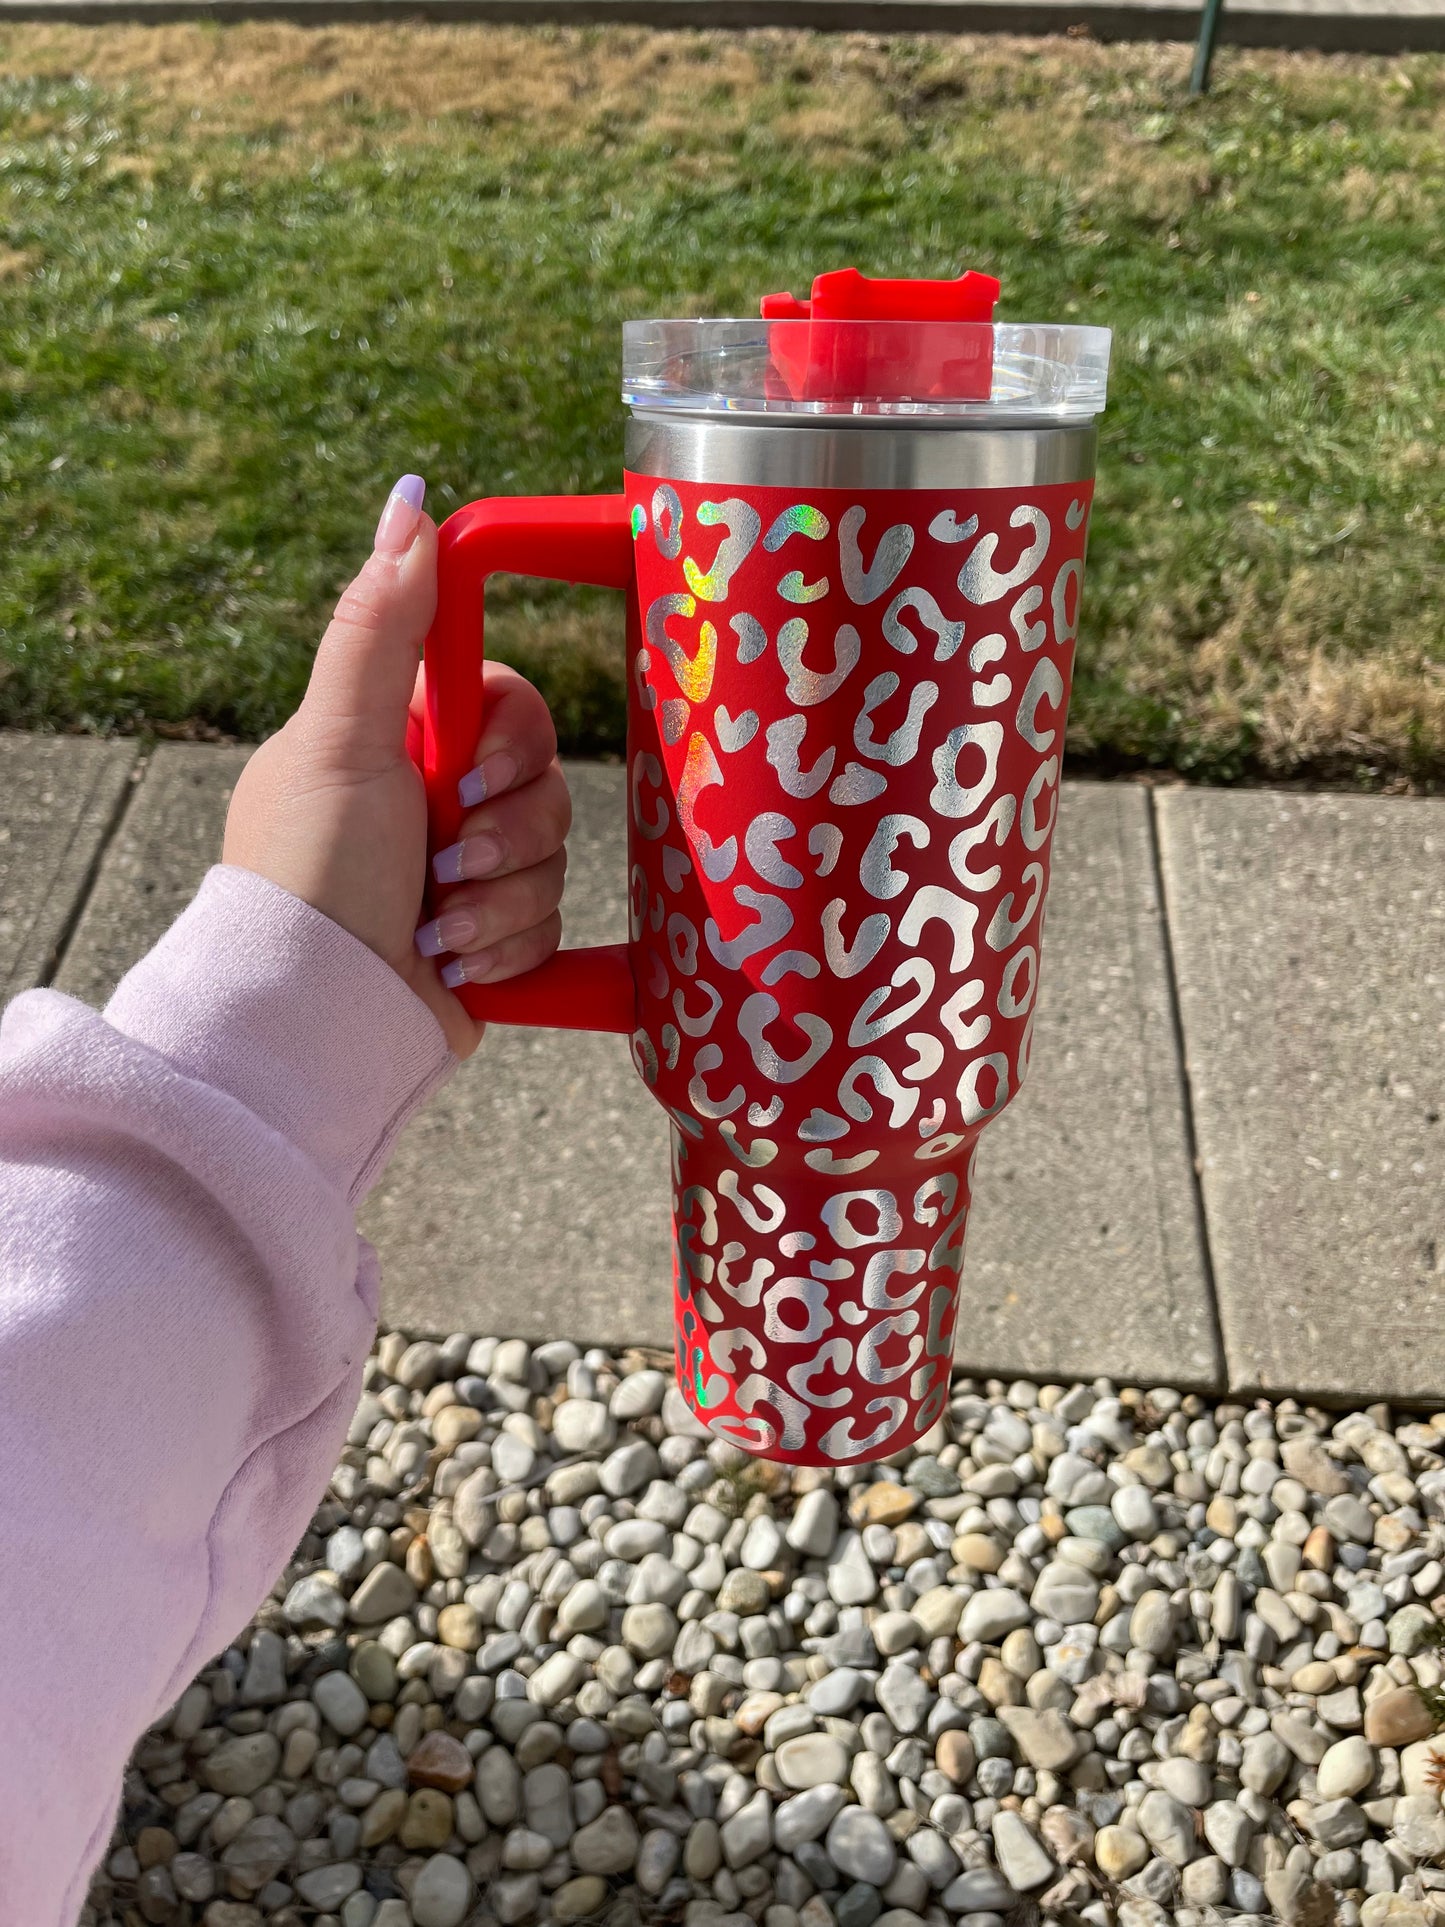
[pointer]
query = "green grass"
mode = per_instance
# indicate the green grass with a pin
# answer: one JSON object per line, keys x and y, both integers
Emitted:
{"x": 248, "y": 275}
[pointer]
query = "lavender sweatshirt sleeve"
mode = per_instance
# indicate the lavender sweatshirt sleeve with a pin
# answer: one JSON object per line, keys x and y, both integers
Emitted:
{"x": 185, "y": 1307}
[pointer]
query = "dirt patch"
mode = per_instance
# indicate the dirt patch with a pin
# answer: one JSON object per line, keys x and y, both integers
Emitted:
{"x": 295, "y": 93}
{"x": 547, "y": 79}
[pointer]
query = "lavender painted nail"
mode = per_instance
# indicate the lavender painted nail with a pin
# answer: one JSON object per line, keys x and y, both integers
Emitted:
{"x": 466, "y": 970}
{"x": 400, "y": 516}
{"x": 474, "y": 856}
{"x": 450, "y": 931}
{"x": 492, "y": 775}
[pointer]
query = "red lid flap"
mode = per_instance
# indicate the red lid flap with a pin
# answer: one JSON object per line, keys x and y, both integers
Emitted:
{"x": 783, "y": 307}
{"x": 846, "y": 295}
{"x": 882, "y": 356}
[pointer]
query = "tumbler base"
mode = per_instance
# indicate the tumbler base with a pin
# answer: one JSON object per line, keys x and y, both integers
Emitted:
{"x": 817, "y": 1331}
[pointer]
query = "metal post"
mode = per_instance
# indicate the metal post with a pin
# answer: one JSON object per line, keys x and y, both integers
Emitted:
{"x": 1204, "y": 49}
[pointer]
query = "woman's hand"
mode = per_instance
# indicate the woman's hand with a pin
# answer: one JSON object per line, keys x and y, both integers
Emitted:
{"x": 332, "y": 807}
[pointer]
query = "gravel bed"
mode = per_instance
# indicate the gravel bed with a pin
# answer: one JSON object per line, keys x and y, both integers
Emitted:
{"x": 549, "y": 1653}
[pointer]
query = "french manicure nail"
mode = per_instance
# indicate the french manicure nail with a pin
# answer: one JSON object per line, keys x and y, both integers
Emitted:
{"x": 467, "y": 970}
{"x": 492, "y": 775}
{"x": 452, "y": 930}
{"x": 400, "y": 516}
{"x": 474, "y": 856}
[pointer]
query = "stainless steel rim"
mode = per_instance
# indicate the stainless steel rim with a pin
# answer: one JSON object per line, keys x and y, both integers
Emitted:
{"x": 786, "y": 455}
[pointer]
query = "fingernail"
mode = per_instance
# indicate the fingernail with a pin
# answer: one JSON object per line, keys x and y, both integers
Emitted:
{"x": 474, "y": 856}
{"x": 452, "y": 930}
{"x": 400, "y": 516}
{"x": 491, "y": 776}
{"x": 468, "y": 970}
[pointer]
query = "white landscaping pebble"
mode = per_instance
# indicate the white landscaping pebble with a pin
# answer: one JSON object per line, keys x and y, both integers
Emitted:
{"x": 1120, "y": 1852}
{"x": 1417, "y": 1825}
{"x": 441, "y": 1893}
{"x": 860, "y": 1846}
{"x": 904, "y": 1696}
{"x": 325, "y": 1888}
{"x": 608, "y": 1844}
{"x": 511, "y": 1361}
{"x": 525, "y": 1851}
{"x": 550, "y": 1650}
{"x": 556, "y": 1679}
{"x": 513, "y": 1459}
{"x": 1229, "y": 1830}
{"x": 582, "y": 1425}
{"x": 1205, "y": 1883}
{"x": 981, "y": 1893}
{"x": 1135, "y": 1511}
{"x": 498, "y": 1786}
{"x": 808, "y": 1816}
{"x": 895, "y": 1633}
{"x": 1022, "y": 1861}
{"x": 837, "y": 1692}
{"x": 417, "y": 1366}
{"x": 1066, "y": 1593}
{"x": 341, "y": 1702}
{"x": 383, "y": 1594}
{"x": 762, "y": 1545}
{"x": 1168, "y": 1826}
{"x": 1338, "y": 1823}
{"x": 1422, "y": 1766}
{"x": 627, "y": 1470}
{"x": 315, "y": 1600}
{"x": 514, "y": 1897}
{"x": 939, "y": 1611}
{"x": 585, "y": 1608}
{"x": 265, "y": 1680}
{"x": 1151, "y": 1625}
{"x": 990, "y": 1615}
{"x": 1266, "y": 1762}
{"x": 240, "y": 1766}
{"x": 814, "y": 1525}
{"x": 639, "y": 1395}
{"x": 1187, "y": 1780}
{"x": 811, "y": 1760}
{"x": 747, "y": 1835}
{"x": 547, "y": 1802}
{"x": 1045, "y": 1739}
{"x": 648, "y": 1630}
{"x": 657, "y": 1857}
{"x": 1348, "y": 1767}
{"x": 851, "y": 1579}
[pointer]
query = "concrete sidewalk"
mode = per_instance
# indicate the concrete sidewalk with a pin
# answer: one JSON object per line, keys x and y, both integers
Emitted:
{"x": 1225, "y": 1169}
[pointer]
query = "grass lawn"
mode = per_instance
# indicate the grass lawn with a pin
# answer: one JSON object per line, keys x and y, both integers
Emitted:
{"x": 250, "y": 274}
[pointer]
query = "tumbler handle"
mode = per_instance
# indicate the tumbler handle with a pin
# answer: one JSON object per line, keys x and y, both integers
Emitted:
{"x": 560, "y": 538}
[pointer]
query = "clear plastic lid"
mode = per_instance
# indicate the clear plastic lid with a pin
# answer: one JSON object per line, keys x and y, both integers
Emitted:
{"x": 870, "y": 350}
{"x": 982, "y": 371}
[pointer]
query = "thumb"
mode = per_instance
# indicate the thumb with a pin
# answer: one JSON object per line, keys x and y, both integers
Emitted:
{"x": 365, "y": 668}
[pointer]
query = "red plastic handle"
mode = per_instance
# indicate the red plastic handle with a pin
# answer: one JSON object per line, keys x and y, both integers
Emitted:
{"x": 560, "y": 538}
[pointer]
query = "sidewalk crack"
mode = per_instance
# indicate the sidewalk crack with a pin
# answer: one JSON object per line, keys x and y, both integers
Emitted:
{"x": 66, "y": 935}
{"x": 1191, "y": 1136}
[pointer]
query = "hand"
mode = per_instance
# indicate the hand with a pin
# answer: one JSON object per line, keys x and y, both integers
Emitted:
{"x": 332, "y": 807}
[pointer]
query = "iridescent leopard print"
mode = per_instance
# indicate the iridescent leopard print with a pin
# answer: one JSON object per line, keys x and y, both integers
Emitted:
{"x": 846, "y": 725}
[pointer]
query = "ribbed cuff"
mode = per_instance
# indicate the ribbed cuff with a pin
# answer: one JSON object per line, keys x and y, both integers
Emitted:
{"x": 253, "y": 992}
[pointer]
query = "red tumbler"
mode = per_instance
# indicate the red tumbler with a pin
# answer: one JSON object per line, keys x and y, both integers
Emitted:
{"x": 852, "y": 542}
